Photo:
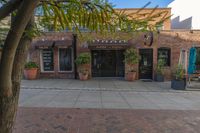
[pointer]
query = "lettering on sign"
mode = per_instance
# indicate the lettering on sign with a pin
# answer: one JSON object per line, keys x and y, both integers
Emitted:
{"x": 47, "y": 55}
{"x": 108, "y": 47}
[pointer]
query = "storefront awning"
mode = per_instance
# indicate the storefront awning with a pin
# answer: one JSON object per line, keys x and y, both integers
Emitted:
{"x": 52, "y": 43}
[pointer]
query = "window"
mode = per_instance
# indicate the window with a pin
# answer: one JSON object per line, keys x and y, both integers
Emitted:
{"x": 164, "y": 54}
{"x": 65, "y": 59}
{"x": 47, "y": 60}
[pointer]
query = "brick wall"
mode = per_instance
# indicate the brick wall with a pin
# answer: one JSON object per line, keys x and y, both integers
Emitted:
{"x": 173, "y": 39}
{"x": 35, "y": 53}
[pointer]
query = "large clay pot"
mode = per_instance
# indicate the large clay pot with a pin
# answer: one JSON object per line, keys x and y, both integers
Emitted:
{"x": 83, "y": 76}
{"x": 31, "y": 73}
{"x": 85, "y": 66}
{"x": 131, "y": 76}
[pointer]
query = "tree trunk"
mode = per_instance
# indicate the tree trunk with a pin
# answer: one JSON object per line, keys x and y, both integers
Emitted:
{"x": 21, "y": 20}
{"x": 10, "y": 76}
{"x": 10, "y": 108}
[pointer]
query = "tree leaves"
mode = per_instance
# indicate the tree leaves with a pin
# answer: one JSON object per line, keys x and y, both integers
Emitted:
{"x": 95, "y": 16}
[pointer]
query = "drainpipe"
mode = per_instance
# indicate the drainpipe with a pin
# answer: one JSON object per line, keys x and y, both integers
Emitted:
{"x": 75, "y": 54}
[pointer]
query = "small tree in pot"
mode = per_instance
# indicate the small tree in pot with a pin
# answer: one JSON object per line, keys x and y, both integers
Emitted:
{"x": 83, "y": 61}
{"x": 159, "y": 76}
{"x": 179, "y": 81}
{"x": 31, "y": 70}
{"x": 131, "y": 58}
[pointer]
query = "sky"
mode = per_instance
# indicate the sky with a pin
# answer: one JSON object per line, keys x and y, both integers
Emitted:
{"x": 139, "y": 3}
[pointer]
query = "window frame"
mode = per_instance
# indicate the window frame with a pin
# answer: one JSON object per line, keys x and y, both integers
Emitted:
{"x": 72, "y": 56}
{"x": 41, "y": 62}
{"x": 168, "y": 64}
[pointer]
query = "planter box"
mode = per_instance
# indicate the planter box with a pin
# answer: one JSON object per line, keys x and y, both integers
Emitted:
{"x": 31, "y": 74}
{"x": 131, "y": 76}
{"x": 83, "y": 77}
{"x": 178, "y": 84}
{"x": 159, "y": 78}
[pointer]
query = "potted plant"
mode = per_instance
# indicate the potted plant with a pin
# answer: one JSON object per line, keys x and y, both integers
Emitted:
{"x": 131, "y": 58}
{"x": 159, "y": 71}
{"x": 30, "y": 70}
{"x": 83, "y": 74}
{"x": 83, "y": 62}
{"x": 179, "y": 82}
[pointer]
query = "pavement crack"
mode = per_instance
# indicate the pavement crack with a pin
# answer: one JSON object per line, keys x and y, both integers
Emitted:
{"x": 77, "y": 99}
{"x": 125, "y": 100}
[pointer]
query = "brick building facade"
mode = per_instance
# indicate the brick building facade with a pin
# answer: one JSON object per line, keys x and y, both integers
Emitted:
{"x": 55, "y": 52}
{"x": 169, "y": 42}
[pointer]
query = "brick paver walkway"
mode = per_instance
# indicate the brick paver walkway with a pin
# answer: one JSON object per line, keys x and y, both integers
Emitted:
{"x": 52, "y": 120}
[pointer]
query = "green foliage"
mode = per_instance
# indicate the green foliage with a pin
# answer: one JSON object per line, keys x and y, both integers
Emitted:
{"x": 131, "y": 56}
{"x": 160, "y": 66}
{"x": 179, "y": 72}
{"x": 30, "y": 65}
{"x": 83, "y": 58}
{"x": 93, "y": 14}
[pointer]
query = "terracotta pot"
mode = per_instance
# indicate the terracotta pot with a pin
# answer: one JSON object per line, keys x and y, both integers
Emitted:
{"x": 87, "y": 67}
{"x": 131, "y": 76}
{"x": 83, "y": 76}
{"x": 30, "y": 74}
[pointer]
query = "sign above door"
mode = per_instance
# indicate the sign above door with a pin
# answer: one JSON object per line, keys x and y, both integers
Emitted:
{"x": 108, "y": 44}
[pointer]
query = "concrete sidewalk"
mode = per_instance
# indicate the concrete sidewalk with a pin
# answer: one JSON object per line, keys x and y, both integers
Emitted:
{"x": 109, "y": 99}
{"x": 106, "y": 94}
{"x": 101, "y": 84}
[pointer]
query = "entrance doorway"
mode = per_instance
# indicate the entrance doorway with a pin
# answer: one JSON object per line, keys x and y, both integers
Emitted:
{"x": 108, "y": 63}
{"x": 146, "y": 64}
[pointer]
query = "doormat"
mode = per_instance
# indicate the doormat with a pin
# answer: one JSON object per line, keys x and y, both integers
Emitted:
{"x": 146, "y": 80}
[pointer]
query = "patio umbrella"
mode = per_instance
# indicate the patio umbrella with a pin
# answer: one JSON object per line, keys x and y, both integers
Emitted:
{"x": 192, "y": 61}
{"x": 183, "y": 59}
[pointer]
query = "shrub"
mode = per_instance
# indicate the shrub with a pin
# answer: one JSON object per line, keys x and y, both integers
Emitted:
{"x": 30, "y": 65}
{"x": 83, "y": 58}
{"x": 131, "y": 56}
